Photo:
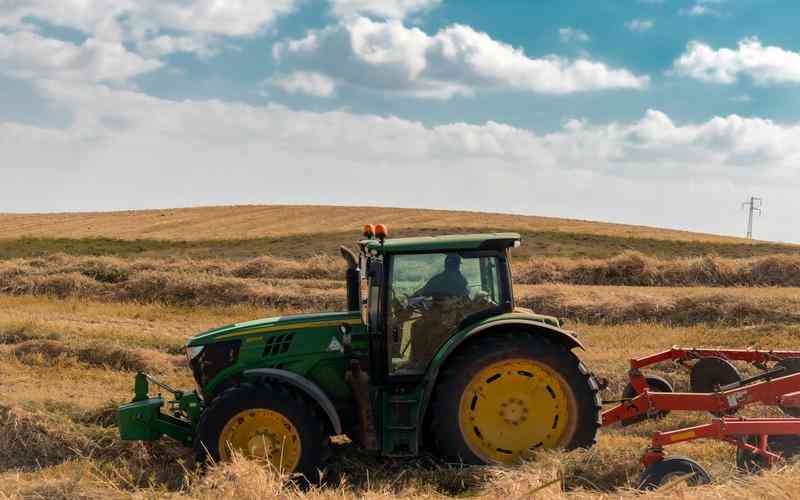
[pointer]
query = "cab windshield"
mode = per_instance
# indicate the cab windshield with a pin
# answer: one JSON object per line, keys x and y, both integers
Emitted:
{"x": 431, "y": 294}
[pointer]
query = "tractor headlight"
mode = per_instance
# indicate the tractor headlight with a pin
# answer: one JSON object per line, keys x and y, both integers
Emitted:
{"x": 211, "y": 359}
{"x": 193, "y": 352}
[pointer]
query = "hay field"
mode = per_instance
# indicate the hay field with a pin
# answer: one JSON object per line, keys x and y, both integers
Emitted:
{"x": 76, "y": 325}
{"x": 304, "y": 231}
{"x": 253, "y": 221}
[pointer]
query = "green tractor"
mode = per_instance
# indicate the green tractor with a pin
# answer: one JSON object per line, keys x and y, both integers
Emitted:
{"x": 431, "y": 354}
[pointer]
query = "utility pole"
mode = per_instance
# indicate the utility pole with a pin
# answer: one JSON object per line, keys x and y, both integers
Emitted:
{"x": 753, "y": 207}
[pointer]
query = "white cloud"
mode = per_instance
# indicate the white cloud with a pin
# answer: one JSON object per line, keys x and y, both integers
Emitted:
{"x": 569, "y": 34}
{"x": 112, "y": 17}
{"x": 28, "y": 55}
{"x": 145, "y": 151}
{"x": 159, "y": 26}
{"x": 640, "y": 24}
{"x": 764, "y": 65}
{"x": 389, "y": 57}
{"x": 165, "y": 44}
{"x": 701, "y": 8}
{"x": 304, "y": 82}
{"x": 390, "y": 9}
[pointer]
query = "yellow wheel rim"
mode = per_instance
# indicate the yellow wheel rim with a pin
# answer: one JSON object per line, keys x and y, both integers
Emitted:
{"x": 262, "y": 434}
{"x": 514, "y": 405}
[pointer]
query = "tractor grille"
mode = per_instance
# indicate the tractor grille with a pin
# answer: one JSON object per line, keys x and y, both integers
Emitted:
{"x": 214, "y": 358}
{"x": 278, "y": 344}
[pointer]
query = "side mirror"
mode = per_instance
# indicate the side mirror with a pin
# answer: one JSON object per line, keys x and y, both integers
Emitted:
{"x": 349, "y": 257}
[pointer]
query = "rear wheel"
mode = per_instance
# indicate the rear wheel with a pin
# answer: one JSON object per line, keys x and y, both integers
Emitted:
{"x": 263, "y": 422}
{"x": 501, "y": 396}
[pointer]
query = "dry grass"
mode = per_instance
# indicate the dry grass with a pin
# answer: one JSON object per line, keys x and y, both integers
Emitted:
{"x": 58, "y": 442}
{"x": 276, "y": 220}
{"x": 63, "y": 274}
{"x": 58, "y": 353}
{"x": 637, "y": 269}
{"x": 294, "y": 285}
{"x": 72, "y": 330}
{"x": 674, "y": 306}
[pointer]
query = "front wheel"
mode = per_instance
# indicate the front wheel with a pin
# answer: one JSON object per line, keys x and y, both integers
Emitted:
{"x": 503, "y": 395}
{"x": 263, "y": 422}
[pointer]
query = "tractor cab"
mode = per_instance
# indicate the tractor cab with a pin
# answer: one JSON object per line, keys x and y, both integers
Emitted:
{"x": 420, "y": 291}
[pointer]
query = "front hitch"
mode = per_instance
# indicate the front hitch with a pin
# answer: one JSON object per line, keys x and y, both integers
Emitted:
{"x": 143, "y": 420}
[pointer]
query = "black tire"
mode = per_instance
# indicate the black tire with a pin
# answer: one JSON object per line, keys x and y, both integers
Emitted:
{"x": 670, "y": 469}
{"x": 442, "y": 424}
{"x": 654, "y": 383}
{"x": 710, "y": 373}
{"x": 299, "y": 411}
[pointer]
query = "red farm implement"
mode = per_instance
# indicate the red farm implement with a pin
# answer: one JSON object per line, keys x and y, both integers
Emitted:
{"x": 718, "y": 388}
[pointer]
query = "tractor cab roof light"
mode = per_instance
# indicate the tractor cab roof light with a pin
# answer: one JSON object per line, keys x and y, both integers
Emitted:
{"x": 381, "y": 232}
{"x": 369, "y": 231}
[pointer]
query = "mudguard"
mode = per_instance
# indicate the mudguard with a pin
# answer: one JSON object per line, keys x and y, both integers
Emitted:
{"x": 306, "y": 386}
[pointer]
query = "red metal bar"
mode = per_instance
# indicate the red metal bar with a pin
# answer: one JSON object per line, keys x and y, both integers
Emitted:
{"x": 690, "y": 353}
{"x": 792, "y": 399}
{"x": 672, "y": 354}
{"x": 767, "y": 392}
{"x": 638, "y": 381}
{"x": 727, "y": 429}
{"x": 783, "y": 390}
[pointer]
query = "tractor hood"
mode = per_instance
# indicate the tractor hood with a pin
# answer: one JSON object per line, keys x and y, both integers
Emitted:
{"x": 296, "y": 322}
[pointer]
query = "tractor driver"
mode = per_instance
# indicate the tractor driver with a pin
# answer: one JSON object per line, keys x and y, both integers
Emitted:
{"x": 450, "y": 297}
{"x": 449, "y": 283}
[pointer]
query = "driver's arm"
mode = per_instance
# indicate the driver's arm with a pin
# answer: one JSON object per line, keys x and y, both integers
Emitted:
{"x": 425, "y": 291}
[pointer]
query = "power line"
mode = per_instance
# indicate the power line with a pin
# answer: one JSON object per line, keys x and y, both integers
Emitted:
{"x": 753, "y": 207}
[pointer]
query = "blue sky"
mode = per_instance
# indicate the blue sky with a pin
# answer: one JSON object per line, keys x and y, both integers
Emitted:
{"x": 665, "y": 113}
{"x": 533, "y": 27}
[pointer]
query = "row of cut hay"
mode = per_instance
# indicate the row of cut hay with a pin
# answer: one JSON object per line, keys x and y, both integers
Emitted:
{"x": 673, "y": 306}
{"x": 610, "y": 305}
{"x": 118, "y": 270}
{"x": 46, "y": 352}
{"x": 629, "y": 268}
{"x": 547, "y": 479}
{"x": 177, "y": 288}
{"x": 636, "y": 269}
{"x": 35, "y": 440}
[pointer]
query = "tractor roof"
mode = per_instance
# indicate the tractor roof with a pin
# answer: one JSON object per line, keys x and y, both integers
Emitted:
{"x": 445, "y": 242}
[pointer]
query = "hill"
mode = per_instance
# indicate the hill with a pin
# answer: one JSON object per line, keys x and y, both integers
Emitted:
{"x": 301, "y": 231}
